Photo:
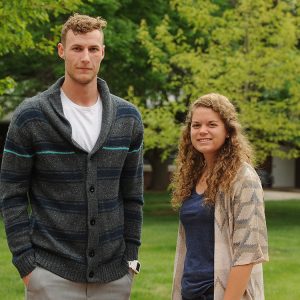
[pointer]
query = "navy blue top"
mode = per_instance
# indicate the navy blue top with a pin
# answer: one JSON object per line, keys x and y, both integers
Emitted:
{"x": 198, "y": 223}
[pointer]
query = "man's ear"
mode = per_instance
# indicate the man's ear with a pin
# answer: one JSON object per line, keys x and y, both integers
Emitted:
{"x": 103, "y": 51}
{"x": 60, "y": 50}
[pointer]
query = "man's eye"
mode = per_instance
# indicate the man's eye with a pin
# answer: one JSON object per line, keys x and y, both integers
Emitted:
{"x": 94, "y": 49}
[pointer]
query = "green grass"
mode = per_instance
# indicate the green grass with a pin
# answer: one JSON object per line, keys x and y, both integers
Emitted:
{"x": 282, "y": 273}
{"x": 157, "y": 251}
{"x": 11, "y": 287}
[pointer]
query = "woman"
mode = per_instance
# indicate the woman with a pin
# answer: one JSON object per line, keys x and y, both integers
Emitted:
{"x": 222, "y": 237}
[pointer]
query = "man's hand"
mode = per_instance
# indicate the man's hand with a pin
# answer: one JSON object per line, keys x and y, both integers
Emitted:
{"x": 131, "y": 272}
{"x": 26, "y": 279}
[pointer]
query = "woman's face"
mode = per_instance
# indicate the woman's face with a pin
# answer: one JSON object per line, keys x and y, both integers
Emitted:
{"x": 208, "y": 132}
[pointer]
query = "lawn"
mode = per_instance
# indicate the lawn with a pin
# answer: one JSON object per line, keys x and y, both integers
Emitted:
{"x": 282, "y": 273}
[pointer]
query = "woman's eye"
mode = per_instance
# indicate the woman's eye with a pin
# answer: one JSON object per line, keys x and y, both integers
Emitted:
{"x": 196, "y": 126}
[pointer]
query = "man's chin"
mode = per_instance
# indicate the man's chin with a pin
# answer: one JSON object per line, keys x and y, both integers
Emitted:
{"x": 83, "y": 79}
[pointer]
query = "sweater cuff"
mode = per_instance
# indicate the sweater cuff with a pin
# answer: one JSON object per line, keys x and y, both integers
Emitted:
{"x": 25, "y": 263}
{"x": 131, "y": 252}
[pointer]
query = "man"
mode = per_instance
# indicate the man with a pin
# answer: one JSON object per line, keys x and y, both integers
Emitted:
{"x": 74, "y": 155}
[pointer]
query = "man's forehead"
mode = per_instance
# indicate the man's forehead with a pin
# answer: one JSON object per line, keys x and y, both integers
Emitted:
{"x": 94, "y": 36}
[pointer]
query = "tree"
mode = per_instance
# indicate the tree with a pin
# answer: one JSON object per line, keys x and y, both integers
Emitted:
{"x": 19, "y": 23}
{"x": 247, "y": 50}
{"x": 125, "y": 62}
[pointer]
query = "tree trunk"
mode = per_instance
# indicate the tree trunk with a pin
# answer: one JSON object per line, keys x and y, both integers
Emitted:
{"x": 160, "y": 178}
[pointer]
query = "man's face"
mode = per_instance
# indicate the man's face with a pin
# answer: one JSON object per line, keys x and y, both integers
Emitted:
{"x": 83, "y": 54}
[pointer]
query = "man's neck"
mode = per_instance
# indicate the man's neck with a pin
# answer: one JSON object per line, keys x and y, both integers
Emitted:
{"x": 81, "y": 94}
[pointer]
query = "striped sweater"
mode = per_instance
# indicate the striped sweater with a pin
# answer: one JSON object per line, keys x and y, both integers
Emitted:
{"x": 74, "y": 213}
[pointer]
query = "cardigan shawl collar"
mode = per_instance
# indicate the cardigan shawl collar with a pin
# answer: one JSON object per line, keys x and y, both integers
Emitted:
{"x": 52, "y": 107}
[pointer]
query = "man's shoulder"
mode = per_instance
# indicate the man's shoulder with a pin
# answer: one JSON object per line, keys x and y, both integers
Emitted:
{"x": 122, "y": 102}
{"x": 125, "y": 108}
{"x": 27, "y": 104}
{"x": 28, "y": 110}
{"x": 32, "y": 105}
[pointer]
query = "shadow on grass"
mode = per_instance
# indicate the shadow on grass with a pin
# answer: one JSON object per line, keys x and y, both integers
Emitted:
{"x": 283, "y": 213}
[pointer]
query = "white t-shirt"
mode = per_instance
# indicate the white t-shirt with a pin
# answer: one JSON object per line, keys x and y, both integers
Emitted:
{"x": 85, "y": 121}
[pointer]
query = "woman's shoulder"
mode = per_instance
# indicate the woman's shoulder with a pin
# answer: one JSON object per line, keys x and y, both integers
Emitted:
{"x": 246, "y": 170}
{"x": 247, "y": 175}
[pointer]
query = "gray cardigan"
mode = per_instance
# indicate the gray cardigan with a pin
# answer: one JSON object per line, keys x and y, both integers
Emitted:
{"x": 85, "y": 209}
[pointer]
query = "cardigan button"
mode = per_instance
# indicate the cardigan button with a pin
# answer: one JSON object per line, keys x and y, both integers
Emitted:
{"x": 92, "y": 222}
{"x": 92, "y": 189}
{"x": 91, "y": 274}
{"x": 91, "y": 253}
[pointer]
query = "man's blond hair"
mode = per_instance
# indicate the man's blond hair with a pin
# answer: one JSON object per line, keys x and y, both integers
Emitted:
{"x": 81, "y": 24}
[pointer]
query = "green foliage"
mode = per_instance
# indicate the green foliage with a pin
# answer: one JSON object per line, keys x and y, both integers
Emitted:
{"x": 163, "y": 55}
{"x": 18, "y": 19}
{"x": 161, "y": 129}
{"x": 6, "y": 86}
{"x": 124, "y": 62}
{"x": 246, "y": 50}
{"x": 19, "y": 33}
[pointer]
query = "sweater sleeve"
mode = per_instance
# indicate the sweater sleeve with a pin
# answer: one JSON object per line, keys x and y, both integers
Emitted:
{"x": 16, "y": 169}
{"x": 249, "y": 234}
{"x": 132, "y": 193}
{"x": 179, "y": 263}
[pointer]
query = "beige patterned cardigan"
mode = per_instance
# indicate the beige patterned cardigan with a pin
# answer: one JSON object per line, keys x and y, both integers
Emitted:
{"x": 240, "y": 237}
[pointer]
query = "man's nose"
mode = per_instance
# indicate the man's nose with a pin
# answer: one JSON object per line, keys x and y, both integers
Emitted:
{"x": 85, "y": 55}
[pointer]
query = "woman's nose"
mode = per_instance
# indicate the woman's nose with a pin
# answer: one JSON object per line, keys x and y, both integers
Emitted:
{"x": 203, "y": 130}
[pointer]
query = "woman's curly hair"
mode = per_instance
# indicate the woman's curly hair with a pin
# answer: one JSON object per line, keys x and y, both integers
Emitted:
{"x": 190, "y": 163}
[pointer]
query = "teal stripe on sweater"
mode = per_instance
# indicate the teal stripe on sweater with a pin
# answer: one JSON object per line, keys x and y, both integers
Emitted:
{"x": 121, "y": 148}
{"x": 39, "y": 152}
{"x": 136, "y": 150}
{"x": 115, "y": 148}
{"x": 54, "y": 152}
{"x": 18, "y": 154}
